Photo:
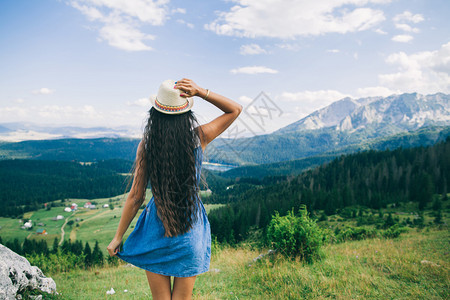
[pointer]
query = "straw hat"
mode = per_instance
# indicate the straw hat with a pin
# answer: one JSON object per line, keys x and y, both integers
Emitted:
{"x": 169, "y": 101}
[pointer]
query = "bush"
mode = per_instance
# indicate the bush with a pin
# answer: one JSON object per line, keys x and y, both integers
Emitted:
{"x": 356, "y": 233}
{"x": 296, "y": 236}
{"x": 394, "y": 231}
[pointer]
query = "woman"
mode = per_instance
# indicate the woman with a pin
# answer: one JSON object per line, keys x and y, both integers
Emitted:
{"x": 172, "y": 235}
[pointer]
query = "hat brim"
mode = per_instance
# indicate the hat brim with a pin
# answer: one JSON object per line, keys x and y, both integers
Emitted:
{"x": 190, "y": 101}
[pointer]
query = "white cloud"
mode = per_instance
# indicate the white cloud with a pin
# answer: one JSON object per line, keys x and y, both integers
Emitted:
{"x": 374, "y": 91}
{"x": 253, "y": 70}
{"x": 141, "y": 102}
{"x": 400, "y": 21}
{"x": 12, "y": 113}
{"x": 245, "y": 99}
{"x": 333, "y": 50}
{"x": 43, "y": 91}
{"x": 406, "y": 27}
{"x": 19, "y": 100}
{"x": 402, "y": 38}
{"x": 251, "y": 49}
{"x": 125, "y": 37}
{"x": 409, "y": 17}
{"x": 424, "y": 72}
{"x": 189, "y": 25}
{"x": 288, "y": 46}
{"x": 380, "y": 31}
{"x": 288, "y": 19}
{"x": 121, "y": 20}
{"x": 309, "y": 101}
{"x": 179, "y": 10}
{"x": 312, "y": 97}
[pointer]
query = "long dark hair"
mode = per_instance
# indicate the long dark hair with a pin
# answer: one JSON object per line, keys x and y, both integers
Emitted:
{"x": 170, "y": 140}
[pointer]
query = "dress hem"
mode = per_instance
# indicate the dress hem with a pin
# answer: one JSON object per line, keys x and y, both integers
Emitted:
{"x": 165, "y": 273}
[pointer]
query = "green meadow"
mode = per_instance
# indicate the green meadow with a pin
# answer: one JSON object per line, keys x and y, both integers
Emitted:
{"x": 412, "y": 266}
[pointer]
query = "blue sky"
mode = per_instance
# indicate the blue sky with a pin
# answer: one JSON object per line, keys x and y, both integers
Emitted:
{"x": 96, "y": 62}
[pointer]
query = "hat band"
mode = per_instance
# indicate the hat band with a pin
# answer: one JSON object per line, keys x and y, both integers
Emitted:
{"x": 170, "y": 108}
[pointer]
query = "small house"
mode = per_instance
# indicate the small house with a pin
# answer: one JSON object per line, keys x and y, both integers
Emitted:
{"x": 87, "y": 205}
{"x": 105, "y": 205}
{"x": 67, "y": 209}
{"x": 28, "y": 224}
{"x": 41, "y": 231}
{"x": 74, "y": 207}
{"x": 58, "y": 217}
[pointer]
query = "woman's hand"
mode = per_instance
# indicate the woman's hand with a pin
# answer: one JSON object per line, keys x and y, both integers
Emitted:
{"x": 189, "y": 88}
{"x": 113, "y": 247}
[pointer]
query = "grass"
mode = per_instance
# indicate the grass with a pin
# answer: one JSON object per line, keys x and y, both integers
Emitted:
{"x": 369, "y": 269}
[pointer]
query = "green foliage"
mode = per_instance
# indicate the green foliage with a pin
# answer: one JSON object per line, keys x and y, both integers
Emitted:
{"x": 389, "y": 221}
{"x": 97, "y": 255}
{"x": 88, "y": 259}
{"x": 394, "y": 231}
{"x": 356, "y": 233}
{"x": 296, "y": 236}
{"x": 57, "y": 262}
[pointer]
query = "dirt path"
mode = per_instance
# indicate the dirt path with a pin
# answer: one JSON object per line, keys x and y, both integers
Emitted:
{"x": 62, "y": 228}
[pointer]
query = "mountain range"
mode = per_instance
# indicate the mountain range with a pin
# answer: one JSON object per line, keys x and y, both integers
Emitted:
{"x": 396, "y": 113}
{"x": 23, "y": 131}
{"x": 345, "y": 126}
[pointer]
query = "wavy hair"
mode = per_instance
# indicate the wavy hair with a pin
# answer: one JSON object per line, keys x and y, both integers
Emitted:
{"x": 170, "y": 140}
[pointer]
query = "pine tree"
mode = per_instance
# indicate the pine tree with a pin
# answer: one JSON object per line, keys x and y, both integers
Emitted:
{"x": 55, "y": 246}
{"x": 97, "y": 255}
{"x": 88, "y": 256}
{"x": 43, "y": 247}
{"x": 438, "y": 218}
{"x": 389, "y": 221}
{"x": 16, "y": 247}
{"x": 1, "y": 241}
{"x": 437, "y": 204}
{"x": 77, "y": 247}
{"x": 27, "y": 247}
{"x": 66, "y": 246}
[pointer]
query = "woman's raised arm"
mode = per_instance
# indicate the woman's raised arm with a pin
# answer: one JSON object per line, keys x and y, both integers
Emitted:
{"x": 230, "y": 108}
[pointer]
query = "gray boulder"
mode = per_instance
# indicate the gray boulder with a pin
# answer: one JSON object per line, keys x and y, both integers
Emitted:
{"x": 17, "y": 275}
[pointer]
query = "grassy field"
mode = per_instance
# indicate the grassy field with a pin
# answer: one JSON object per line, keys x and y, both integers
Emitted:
{"x": 413, "y": 266}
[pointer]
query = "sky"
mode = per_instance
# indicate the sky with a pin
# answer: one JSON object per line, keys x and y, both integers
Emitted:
{"x": 97, "y": 62}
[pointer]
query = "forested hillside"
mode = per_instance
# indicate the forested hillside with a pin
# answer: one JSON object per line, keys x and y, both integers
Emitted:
{"x": 72, "y": 149}
{"x": 26, "y": 184}
{"x": 371, "y": 178}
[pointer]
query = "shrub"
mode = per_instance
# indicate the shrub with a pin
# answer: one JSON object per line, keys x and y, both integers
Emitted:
{"x": 296, "y": 236}
{"x": 394, "y": 231}
{"x": 356, "y": 233}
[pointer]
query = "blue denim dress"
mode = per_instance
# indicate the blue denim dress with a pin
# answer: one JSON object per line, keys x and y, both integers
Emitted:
{"x": 184, "y": 255}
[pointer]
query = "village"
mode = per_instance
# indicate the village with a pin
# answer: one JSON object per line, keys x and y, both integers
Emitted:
{"x": 28, "y": 224}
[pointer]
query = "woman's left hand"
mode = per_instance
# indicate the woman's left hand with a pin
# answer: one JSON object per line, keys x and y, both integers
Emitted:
{"x": 113, "y": 247}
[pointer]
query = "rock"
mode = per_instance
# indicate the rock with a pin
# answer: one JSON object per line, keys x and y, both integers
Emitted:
{"x": 261, "y": 256}
{"x": 430, "y": 263}
{"x": 110, "y": 292}
{"x": 17, "y": 275}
